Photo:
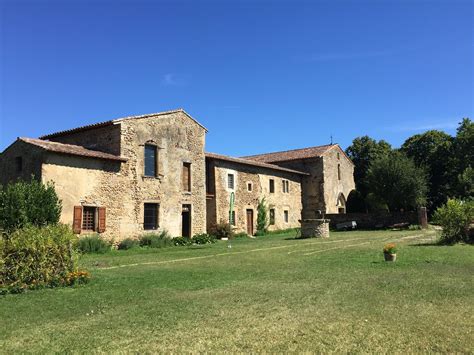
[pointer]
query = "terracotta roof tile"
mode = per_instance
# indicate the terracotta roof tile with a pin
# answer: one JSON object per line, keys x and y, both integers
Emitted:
{"x": 252, "y": 163}
{"x": 294, "y": 154}
{"x": 70, "y": 149}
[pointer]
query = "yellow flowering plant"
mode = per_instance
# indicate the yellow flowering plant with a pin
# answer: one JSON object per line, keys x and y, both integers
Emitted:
{"x": 390, "y": 248}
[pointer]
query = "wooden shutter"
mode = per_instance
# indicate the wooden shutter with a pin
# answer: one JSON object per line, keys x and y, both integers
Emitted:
{"x": 101, "y": 225}
{"x": 77, "y": 220}
{"x": 186, "y": 177}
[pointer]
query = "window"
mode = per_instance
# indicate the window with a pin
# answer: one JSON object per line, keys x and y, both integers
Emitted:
{"x": 150, "y": 216}
{"x": 249, "y": 186}
{"x": 88, "y": 218}
{"x": 286, "y": 186}
{"x": 150, "y": 160}
{"x": 232, "y": 218}
{"x": 338, "y": 156}
{"x": 187, "y": 177}
{"x": 272, "y": 216}
{"x": 19, "y": 164}
{"x": 272, "y": 186}
{"x": 285, "y": 216}
{"x": 339, "y": 171}
{"x": 230, "y": 181}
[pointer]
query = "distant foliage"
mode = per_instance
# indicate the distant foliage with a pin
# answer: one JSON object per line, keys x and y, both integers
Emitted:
{"x": 222, "y": 230}
{"x": 203, "y": 238}
{"x": 262, "y": 217}
{"x": 23, "y": 203}
{"x": 128, "y": 243}
{"x": 34, "y": 257}
{"x": 182, "y": 241}
{"x": 93, "y": 244}
{"x": 455, "y": 217}
{"x": 241, "y": 235}
{"x": 156, "y": 240}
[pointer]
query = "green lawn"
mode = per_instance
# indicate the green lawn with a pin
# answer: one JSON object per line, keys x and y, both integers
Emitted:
{"x": 269, "y": 294}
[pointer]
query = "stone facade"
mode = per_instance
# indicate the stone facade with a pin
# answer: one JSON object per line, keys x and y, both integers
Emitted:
{"x": 99, "y": 170}
{"x": 252, "y": 183}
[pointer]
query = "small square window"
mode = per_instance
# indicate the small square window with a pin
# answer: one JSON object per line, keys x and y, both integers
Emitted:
{"x": 230, "y": 181}
{"x": 249, "y": 186}
{"x": 88, "y": 218}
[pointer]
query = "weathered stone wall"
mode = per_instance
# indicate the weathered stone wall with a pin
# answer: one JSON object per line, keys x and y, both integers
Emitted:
{"x": 105, "y": 139}
{"x": 374, "y": 220}
{"x": 84, "y": 181}
{"x": 337, "y": 190}
{"x": 312, "y": 185}
{"x": 244, "y": 199}
{"x": 31, "y": 161}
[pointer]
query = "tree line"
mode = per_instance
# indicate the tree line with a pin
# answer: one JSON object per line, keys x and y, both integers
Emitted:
{"x": 428, "y": 169}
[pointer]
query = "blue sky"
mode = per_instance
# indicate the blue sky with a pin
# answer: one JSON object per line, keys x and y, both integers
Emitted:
{"x": 260, "y": 75}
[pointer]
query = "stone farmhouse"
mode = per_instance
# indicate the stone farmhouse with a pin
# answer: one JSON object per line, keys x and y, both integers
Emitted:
{"x": 139, "y": 174}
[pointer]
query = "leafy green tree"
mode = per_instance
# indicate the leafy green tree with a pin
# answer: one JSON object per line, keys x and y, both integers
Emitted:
{"x": 463, "y": 158}
{"x": 262, "y": 217}
{"x": 432, "y": 150}
{"x": 28, "y": 203}
{"x": 397, "y": 181}
{"x": 363, "y": 151}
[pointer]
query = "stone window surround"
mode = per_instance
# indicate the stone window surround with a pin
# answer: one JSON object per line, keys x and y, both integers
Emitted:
{"x": 159, "y": 165}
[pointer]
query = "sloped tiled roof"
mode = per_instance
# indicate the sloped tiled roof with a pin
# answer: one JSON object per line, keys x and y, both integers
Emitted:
{"x": 70, "y": 149}
{"x": 115, "y": 121}
{"x": 294, "y": 154}
{"x": 252, "y": 163}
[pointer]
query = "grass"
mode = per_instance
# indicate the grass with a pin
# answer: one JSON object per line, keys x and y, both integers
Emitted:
{"x": 272, "y": 294}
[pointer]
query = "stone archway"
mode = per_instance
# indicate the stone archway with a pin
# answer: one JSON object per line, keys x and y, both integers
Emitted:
{"x": 341, "y": 204}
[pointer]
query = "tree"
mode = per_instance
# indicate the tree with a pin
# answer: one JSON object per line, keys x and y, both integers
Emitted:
{"x": 28, "y": 203}
{"x": 363, "y": 151}
{"x": 463, "y": 158}
{"x": 397, "y": 181}
{"x": 262, "y": 218}
{"x": 433, "y": 150}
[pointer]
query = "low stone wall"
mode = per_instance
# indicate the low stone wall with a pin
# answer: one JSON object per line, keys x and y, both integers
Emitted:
{"x": 374, "y": 220}
{"x": 314, "y": 228}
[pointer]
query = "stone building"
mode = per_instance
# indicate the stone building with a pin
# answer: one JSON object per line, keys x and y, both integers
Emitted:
{"x": 139, "y": 174}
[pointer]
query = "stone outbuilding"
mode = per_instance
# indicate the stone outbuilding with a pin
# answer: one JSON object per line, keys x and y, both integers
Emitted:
{"x": 141, "y": 174}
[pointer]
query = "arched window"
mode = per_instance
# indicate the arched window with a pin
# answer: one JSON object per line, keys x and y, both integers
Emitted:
{"x": 341, "y": 203}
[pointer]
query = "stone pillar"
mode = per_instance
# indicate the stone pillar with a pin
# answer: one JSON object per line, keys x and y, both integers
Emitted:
{"x": 422, "y": 217}
{"x": 311, "y": 228}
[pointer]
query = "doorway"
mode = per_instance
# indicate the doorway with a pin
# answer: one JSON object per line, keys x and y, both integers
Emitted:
{"x": 250, "y": 222}
{"x": 186, "y": 221}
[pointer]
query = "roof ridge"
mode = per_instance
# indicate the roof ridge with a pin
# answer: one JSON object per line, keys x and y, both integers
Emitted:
{"x": 289, "y": 150}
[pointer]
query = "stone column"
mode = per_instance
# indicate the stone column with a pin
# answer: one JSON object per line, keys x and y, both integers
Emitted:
{"x": 422, "y": 217}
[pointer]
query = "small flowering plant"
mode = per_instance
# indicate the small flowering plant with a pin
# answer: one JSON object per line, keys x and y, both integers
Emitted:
{"x": 390, "y": 248}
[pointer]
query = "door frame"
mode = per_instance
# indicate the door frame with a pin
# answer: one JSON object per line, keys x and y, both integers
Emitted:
{"x": 250, "y": 231}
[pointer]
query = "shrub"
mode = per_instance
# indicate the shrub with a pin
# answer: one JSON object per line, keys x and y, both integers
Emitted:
{"x": 262, "y": 218}
{"x": 222, "y": 230}
{"x": 203, "y": 239}
{"x": 36, "y": 257}
{"x": 23, "y": 203}
{"x": 260, "y": 233}
{"x": 93, "y": 244}
{"x": 182, "y": 241}
{"x": 128, "y": 243}
{"x": 241, "y": 235}
{"x": 160, "y": 240}
{"x": 455, "y": 217}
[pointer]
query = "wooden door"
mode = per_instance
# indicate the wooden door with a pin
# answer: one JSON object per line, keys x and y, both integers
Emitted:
{"x": 250, "y": 222}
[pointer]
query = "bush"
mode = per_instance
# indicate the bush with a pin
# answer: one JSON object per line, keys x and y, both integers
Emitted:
{"x": 455, "y": 217}
{"x": 128, "y": 243}
{"x": 23, "y": 203}
{"x": 241, "y": 235}
{"x": 203, "y": 239}
{"x": 222, "y": 230}
{"x": 160, "y": 240}
{"x": 182, "y": 241}
{"x": 36, "y": 257}
{"x": 93, "y": 244}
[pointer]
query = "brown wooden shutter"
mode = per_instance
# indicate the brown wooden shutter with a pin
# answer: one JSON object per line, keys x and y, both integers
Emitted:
{"x": 77, "y": 220}
{"x": 101, "y": 228}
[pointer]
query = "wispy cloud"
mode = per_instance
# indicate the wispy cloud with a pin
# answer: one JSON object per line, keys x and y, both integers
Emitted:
{"x": 325, "y": 57}
{"x": 173, "y": 79}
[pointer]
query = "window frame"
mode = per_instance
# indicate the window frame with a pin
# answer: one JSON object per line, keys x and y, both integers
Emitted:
{"x": 338, "y": 171}
{"x": 231, "y": 181}
{"x": 155, "y": 162}
{"x": 188, "y": 187}
{"x": 156, "y": 221}
{"x": 271, "y": 186}
{"x": 271, "y": 216}
{"x": 91, "y": 213}
{"x": 286, "y": 216}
